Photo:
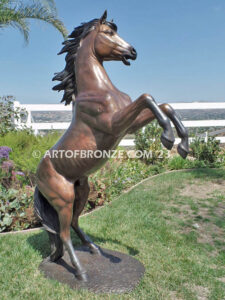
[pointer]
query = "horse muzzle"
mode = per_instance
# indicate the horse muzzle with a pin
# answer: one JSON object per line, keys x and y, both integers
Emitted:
{"x": 132, "y": 54}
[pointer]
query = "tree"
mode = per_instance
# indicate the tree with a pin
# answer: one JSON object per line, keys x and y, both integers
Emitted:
{"x": 16, "y": 14}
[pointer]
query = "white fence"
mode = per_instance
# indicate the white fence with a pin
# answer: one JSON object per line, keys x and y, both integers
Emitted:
{"x": 125, "y": 142}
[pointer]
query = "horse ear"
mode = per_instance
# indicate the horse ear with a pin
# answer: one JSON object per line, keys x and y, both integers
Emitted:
{"x": 103, "y": 17}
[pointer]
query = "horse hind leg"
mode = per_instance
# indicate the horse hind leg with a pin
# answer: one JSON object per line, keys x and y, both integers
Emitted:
{"x": 82, "y": 190}
{"x": 57, "y": 249}
{"x": 49, "y": 219}
{"x": 65, "y": 218}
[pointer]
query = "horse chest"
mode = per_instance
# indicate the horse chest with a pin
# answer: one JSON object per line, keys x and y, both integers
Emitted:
{"x": 116, "y": 101}
{"x": 103, "y": 104}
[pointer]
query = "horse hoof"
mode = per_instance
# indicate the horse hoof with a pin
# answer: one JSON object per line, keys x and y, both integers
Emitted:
{"x": 182, "y": 151}
{"x": 82, "y": 276}
{"x": 53, "y": 257}
{"x": 47, "y": 259}
{"x": 95, "y": 250}
{"x": 166, "y": 142}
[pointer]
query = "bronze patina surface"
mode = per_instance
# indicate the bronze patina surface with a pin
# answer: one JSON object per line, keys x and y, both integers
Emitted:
{"x": 102, "y": 116}
{"x": 110, "y": 272}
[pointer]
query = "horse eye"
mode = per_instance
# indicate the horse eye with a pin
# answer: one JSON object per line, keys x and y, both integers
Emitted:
{"x": 110, "y": 32}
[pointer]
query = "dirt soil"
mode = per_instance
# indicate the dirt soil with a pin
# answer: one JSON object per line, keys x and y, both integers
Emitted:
{"x": 203, "y": 190}
{"x": 208, "y": 215}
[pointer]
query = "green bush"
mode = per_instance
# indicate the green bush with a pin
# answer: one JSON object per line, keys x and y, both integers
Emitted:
{"x": 8, "y": 115}
{"x": 17, "y": 168}
{"x": 148, "y": 139}
{"x": 26, "y": 146}
{"x": 221, "y": 159}
{"x": 16, "y": 209}
{"x": 16, "y": 196}
{"x": 207, "y": 151}
{"x": 118, "y": 175}
{"x": 178, "y": 163}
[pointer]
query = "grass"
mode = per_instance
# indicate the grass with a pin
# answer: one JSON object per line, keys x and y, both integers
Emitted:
{"x": 154, "y": 223}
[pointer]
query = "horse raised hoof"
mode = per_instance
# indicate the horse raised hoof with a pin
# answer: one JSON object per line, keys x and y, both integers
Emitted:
{"x": 182, "y": 150}
{"x": 82, "y": 276}
{"x": 167, "y": 142}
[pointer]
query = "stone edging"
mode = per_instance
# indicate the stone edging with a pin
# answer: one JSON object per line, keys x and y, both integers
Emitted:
{"x": 126, "y": 191}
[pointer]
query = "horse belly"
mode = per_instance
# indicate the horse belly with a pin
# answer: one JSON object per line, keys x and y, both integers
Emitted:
{"x": 84, "y": 157}
{"x": 102, "y": 154}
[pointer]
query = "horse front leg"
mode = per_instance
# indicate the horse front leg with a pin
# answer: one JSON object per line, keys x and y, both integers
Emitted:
{"x": 146, "y": 117}
{"x": 182, "y": 132}
{"x": 125, "y": 117}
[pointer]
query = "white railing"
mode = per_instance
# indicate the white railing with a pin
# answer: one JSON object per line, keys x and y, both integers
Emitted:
{"x": 125, "y": 142}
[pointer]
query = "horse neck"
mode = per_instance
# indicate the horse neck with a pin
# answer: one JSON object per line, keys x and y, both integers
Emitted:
{"x": 90, "y": 73}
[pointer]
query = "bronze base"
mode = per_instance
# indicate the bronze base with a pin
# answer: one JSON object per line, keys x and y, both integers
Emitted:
{"x": 112, "y": 272}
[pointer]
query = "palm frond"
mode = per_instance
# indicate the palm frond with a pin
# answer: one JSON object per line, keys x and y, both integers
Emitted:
{"x": 10, "y": 17}
{"x": 39, "y": 12}
{"x": 50, "y": 4}
{"x": 16, "y": 13}
{"x": 23, "y": 27}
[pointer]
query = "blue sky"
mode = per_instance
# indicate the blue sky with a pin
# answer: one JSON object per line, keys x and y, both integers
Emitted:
{"x": 180, "y": 45}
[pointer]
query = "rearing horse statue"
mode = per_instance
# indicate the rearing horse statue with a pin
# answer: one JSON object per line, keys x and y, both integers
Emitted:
{"x": 102, "y": 116}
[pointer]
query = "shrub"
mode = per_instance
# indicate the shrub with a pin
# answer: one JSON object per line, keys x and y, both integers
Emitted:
{"x": 16, "y": 209}
{"x": 207, "y": 151}
{"x": 8, "y": 115}
{"x": 9, "y": 176}
{"x": 24, "y": 144}
{"x": 148, "y": 139}
{"x": 17, "y": 166}
{"x": 16, "y": 196}
{"x": 221, "y": 159}
{"x": 116, "y": 176}
{"x": 178, "y": 163}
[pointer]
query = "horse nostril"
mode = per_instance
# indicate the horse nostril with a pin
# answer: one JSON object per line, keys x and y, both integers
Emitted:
{"x": 133, "y": 52}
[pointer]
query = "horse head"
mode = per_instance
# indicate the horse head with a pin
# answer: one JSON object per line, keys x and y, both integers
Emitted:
{"x": 102, "y": 38}
{"x": 108, "y": 45}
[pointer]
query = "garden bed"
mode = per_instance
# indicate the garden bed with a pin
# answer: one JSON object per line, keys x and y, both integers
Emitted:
{"x": 18, "y": 163}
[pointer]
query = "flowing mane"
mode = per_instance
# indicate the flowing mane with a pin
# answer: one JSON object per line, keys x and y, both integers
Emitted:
{"x": 68, "y": 75}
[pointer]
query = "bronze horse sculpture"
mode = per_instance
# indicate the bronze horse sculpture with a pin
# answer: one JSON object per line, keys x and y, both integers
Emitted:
{"x": 102, "y": 116}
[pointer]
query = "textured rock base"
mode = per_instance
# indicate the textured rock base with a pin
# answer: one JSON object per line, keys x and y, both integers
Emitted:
{"x": 112, "y": 272}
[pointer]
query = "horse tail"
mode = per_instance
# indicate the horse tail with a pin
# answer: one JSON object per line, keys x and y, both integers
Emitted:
{"x": 45, "y": 212}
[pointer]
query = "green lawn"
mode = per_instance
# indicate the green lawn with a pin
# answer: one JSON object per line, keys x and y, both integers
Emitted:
{"x": 173, "y": 223}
